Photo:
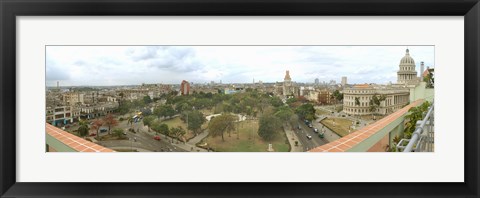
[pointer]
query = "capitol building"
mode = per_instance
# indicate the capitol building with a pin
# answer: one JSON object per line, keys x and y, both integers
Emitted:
{"x": 357, "y": 99}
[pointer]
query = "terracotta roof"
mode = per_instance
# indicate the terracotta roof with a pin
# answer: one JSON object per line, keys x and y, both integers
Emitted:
{"x": 349, "y": 141}
{"x": 425, "y": 73}
{"x": 74, "y": 142}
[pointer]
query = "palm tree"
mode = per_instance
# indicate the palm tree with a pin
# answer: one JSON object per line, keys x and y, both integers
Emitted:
{"x": 372, "y": 108}
{"x": 83, "y": 129}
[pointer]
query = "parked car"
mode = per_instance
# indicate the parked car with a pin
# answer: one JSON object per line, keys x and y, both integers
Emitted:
{"x": 156, "y": 138}
{"x": 92, "y": 134}
{"x": 310, "y": 125}
{"x": 299, "y": 127}
{"x": 315, "y": 130}
{"x": 103, "y": 130}
{"x": 309, "y": 137}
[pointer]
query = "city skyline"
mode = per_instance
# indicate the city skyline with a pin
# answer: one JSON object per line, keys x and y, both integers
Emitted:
{"x": 133, "y": 65}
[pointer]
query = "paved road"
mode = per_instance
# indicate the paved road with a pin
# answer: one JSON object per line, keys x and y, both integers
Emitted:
{"x": 144, "y": 141}
{"x": 302, "y": 136}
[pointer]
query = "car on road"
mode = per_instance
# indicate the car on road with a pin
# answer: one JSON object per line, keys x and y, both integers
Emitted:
{"x": 299, "y": 127}
{"x": 321, "y": 135}
{"x": 309, "y": 137}
{"x": 156, "y": 138}
{"x": 315, "y": 130}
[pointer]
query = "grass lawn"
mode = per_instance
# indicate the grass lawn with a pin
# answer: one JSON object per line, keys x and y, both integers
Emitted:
{"x": 340, "y": 127}
{"x": 110, "y": 137}
{"x": 248, "y": 141}
{"x": 176, "y": 122}
{"x": 323, "y": 112}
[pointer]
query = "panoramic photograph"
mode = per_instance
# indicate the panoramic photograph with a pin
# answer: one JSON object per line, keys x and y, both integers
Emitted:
{"x": 239, "y": 98}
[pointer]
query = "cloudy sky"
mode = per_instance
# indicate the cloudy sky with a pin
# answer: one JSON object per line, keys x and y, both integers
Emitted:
{"x": 133, "y": 65}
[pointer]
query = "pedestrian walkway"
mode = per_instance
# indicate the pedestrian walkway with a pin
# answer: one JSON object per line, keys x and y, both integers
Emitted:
{"x": 292, "y": 137}
{"x": 198, "y": 138}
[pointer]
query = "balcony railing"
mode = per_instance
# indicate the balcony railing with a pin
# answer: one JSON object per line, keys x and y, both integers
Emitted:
{"x": 422, "y": 139}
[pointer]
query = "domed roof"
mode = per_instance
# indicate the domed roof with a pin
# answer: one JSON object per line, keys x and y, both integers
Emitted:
{"x": 407, "y": 59}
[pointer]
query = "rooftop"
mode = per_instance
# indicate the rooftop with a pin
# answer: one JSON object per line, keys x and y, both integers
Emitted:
{"x": 351, "y": 140}
{"x": 74, "y": 142}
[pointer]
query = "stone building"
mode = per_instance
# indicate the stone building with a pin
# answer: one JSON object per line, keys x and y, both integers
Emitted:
{"x": 393, "y": 97}
{"x": 288, "y": 88}
{"x": 407, "y": 73}
{"x": 344, "y": 81}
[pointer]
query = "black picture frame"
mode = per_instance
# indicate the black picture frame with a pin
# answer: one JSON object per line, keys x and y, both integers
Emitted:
{"x": 9, "y": 9}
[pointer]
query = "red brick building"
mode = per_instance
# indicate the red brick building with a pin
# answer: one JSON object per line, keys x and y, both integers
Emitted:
{"x": 185, "y": 87}
{"x": 325, "y": 97}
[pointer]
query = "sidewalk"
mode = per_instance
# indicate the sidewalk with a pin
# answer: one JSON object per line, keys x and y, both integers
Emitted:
{"x": 292, "y": 137}
{"x": 198, "y": 138}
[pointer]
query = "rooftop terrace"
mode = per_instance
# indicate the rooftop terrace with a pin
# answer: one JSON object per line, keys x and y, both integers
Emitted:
{"x": 372, "y": 131}
{"x": 62, "y": 141}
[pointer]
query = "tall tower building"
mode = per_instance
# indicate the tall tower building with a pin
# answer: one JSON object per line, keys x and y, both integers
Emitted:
{"x": 407, "y": 73}
{"x": 422, "y": 69}
{"x": 287, "y": 84}
{"x": 185, "y": 87}
{"x": 344, "y": 81}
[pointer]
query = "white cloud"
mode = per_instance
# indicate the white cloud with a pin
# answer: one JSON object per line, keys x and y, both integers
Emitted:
{"x": 122, "y": 65}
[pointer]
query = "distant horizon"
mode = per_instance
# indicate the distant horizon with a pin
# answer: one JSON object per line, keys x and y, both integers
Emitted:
{"x": 311, "y": 83}
{"x": 134, "y": 65}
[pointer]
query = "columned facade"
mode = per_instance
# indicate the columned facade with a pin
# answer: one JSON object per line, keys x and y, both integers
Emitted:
{"x": 395, "y": 99}
{"x": 407, "y": 73}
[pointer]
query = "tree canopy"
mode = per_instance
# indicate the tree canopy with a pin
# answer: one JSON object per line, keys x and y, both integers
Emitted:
{"x": 221, "y": 124}
{"x": 269, "y": 127}
{"x": 164, "y": 111}
{"x": 147, "y": 100}
{"x": 178, "y": 132}
{"x": 284, "y": 113}
{"x": 110, "y": 121}
{"x": 306, "y": 111}
{"x": 148, "y": 121}
{"x": 195, "y": 119}
{"x": 161, "y": 128}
